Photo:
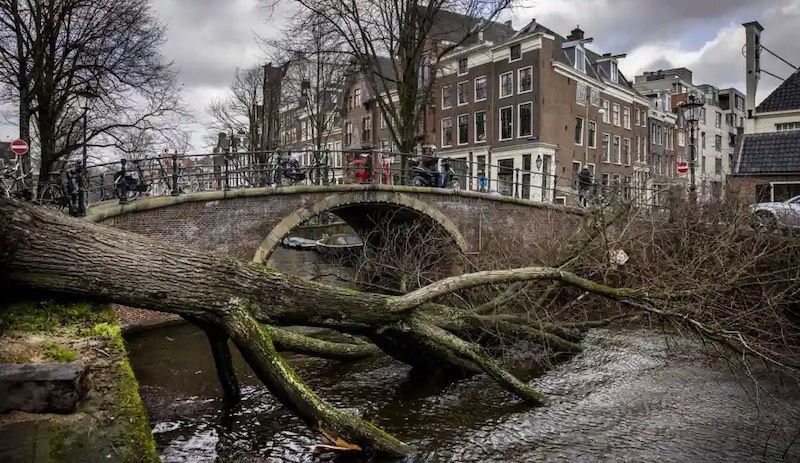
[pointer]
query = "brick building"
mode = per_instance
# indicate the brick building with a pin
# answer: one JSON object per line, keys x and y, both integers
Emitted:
{"x": 527, "y": 112}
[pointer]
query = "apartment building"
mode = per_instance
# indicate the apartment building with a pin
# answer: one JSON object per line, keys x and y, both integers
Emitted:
{"x": 716, "y": 135}
{"x": 532, "y": 110}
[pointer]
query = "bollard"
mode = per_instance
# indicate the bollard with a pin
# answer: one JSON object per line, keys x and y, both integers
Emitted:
{"x": 175, "y": 191}
{"x": 227, "y": 186}
{"x": 122, "y": 184}
{"x": 82, "y": 177}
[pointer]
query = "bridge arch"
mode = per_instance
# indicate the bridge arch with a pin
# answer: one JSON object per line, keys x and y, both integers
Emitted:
{"x": 340, "y": 202}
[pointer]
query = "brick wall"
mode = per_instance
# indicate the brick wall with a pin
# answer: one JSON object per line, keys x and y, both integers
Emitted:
{"x": 236, "y": 226}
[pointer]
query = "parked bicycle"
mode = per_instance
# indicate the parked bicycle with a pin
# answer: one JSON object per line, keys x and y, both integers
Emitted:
{"x": 319, "y": 172}
{"x": 74, "y": 195}
{"x": 132, "y": 184}
{"x": 12, "y": 179}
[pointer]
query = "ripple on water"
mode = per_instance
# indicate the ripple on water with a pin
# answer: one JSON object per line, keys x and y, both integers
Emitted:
{"x": 630, "y": 396}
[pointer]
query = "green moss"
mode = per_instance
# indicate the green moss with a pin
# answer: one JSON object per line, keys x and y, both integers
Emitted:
{"x": 46, "y": 316}
{"x": 60, "y": 354}
{"x": 137, "y": 443}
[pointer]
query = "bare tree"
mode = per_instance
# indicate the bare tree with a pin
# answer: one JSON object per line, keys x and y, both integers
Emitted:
{"x": 59, "y": 59}
{"x": 398, "y": 47}
{"x": 238, "y": 111}
{"x": 318, "y": 62}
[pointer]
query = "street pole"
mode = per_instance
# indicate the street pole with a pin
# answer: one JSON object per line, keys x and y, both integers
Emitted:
{"x": 692, "y": 160}
{"x": 85, "y": 155}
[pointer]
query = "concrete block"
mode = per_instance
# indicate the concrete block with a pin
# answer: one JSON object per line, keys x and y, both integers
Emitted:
{"x": 42, "y": 388}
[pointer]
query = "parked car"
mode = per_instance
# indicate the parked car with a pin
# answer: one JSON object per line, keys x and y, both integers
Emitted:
{"x": 776, "y": 216}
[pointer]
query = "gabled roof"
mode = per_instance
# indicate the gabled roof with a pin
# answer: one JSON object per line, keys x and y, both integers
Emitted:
{"x": 452, "y": 27}
{"x": 784, "y": 98}
{"x": 770, "y": 153}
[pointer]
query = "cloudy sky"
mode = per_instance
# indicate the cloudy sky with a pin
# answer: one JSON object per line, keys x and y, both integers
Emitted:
{"x": 209, "y": 39}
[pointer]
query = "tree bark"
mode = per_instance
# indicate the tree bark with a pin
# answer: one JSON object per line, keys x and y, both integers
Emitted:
{"x": 218, "y": 341}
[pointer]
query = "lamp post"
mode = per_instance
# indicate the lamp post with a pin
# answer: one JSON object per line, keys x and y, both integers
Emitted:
{"x": 598, "y": 157}
{"x": 691, "y": 109}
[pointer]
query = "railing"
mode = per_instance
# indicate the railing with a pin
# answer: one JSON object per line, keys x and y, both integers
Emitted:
{"x": 178, "y": 174}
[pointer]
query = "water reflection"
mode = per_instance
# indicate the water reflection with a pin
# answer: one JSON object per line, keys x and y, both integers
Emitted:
{"x": 626, "y": 398}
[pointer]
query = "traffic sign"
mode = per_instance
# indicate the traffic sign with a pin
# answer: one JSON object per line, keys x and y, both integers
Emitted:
{"x": 19, "y": 147}
{"x": 683, "y": 167}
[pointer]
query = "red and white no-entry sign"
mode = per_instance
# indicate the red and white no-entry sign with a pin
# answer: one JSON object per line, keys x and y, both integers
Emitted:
{"x": 19, "y": 147}
{"x": 683, "y": 167}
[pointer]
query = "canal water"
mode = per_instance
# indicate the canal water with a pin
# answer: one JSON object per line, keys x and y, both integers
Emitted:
{"x": 632, "y": 396}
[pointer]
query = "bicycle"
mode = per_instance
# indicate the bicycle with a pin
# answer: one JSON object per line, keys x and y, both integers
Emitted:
{"x": 53, "y": 195}
{"x": 319, "y": 173}
{"x": 12, "y": 180}
{"x": 163, "y": 184}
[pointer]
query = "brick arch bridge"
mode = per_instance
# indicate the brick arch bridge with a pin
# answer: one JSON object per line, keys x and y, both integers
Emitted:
{"x": 249, "y": 223}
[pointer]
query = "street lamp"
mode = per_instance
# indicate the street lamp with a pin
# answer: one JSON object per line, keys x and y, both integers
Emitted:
{"x": 691, "y": 109}
{"x": 86, "y": 95}
{"x": 598, "y": 156}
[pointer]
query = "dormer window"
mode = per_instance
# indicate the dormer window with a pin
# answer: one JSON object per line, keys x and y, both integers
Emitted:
{"x": 613, "y": 74}
{"x": 463, "y": 66}
{"x": 515, "y": 52}
{"x": 580, "y": 59}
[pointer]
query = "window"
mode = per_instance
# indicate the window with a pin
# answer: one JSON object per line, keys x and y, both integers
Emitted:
{"x": 366, "y": 129}
{"x": 606, "y": 150}
{"x": 638, "y": 148}
{"x": 463, "y": 95}
{"x": 515, "y": 52}
{"x": 616, "y": 114}
{"x": 703, "y": 115}
{"x": 525, "y": 80}
{"x": 385, "y": 144}
{"x": 348, "y": 133}
{"x": 616, "y": 150}
{"x": 480, "y": 126}
{"x": 579, "y": 131}
{"x": 626, "y": 151}
{"x": 787, "y": 126}
{"x": 718, "y": 166}
{"x": 506, "y": 84}
{"x": 576, "y": 169}
{"x": 595, "y": 96}
{"x": 654, "y": 134}
{"x": 463, "y": 67}
{"x": 605, "y": 179}
{"x": 580, "y": 59}
{"x": 718, "y": 120}
{"x": 463, "y": 129}
{"x": 731, "y": 140}
{"x": 447, "y": 96}
{"x": 718, "y": 142}
{"x": 447, "y": 132}
{"x": 626, "y": 118}
{"x": 739, "y": 103}
{"x": 384, "y": 122}
{"x": 592, "y": 140}
{"x": 357, "y": 97}
{"x": 638, "y": 120}
{"x": 480, "y": 88}
{"x": 703, "y": 140}
{"x": 506, "y": 123}
{"x": 525, "y": 119}
{"x": 613, "y": 74}
{"x": 580, "y": 94}
{"x": 606, "y": 113}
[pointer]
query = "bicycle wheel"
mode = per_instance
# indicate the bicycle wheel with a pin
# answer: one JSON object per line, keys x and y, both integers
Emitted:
{"x": 323, "y": 175}
{"x": 132, "y": 193}
{"x": 52, "y": 196}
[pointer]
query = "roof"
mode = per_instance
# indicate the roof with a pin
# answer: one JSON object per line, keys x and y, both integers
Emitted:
{"x": 770, "y": 153}
{"x": 452, "y": 27}
{"x": 784, "y": 98}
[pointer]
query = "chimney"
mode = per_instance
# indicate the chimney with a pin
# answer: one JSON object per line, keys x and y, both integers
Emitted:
{"x": 752, "y": 62}
{"x": 508, "y": 23}
{"x": 575, "y": 34}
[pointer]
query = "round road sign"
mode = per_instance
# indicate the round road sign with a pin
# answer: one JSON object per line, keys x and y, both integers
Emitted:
{"x": 19, "y": 147}
{"x": 683, "y": 167}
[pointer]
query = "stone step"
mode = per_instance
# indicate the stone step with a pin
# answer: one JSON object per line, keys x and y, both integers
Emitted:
{"x": 42, "y": 388}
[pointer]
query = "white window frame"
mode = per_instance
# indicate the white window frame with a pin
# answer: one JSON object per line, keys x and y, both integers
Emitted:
{"x": 582, "y": 66}
{"x": 593, "y": 138}
{"x": 606, "y": 105}
{"x": 519, "y": 80}
{"x": 614, "y": 74}
{"x": 626, "y": 117}
{"x": 451, "y": 96}
{"x": 594, "y": 101}
{"x": 628, "y": 160}
{"x": 444, "y": 145}
{"x": 519, "y": 122}
{"x": 583, "y": 128}
{"x": 458, "y": 130}
{"x": 616, "y": 114}
{"x": 475, "y": 126}
{"x": 458, "y": 67}
{"x": 618, "y": 155}
{"x": 578, "y": 86}
{"x": 458, "y": 102}
{"x": 500, "y": 85}
{"x": 518, "y": 44}
{"x": 500, "y": 123}
{"x": 606, "y": 158}
{"x": 485, "y": 88}
{"x": 638, "y": 121}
